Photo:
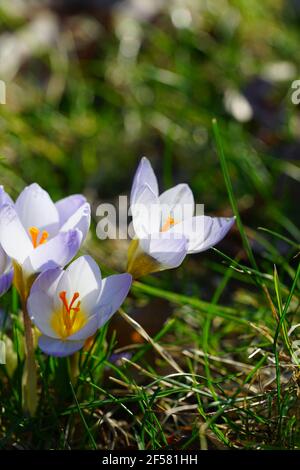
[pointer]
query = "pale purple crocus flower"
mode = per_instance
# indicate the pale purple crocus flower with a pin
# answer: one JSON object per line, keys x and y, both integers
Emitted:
{"x": 165, "y": 225}
{"x": 38, "y": 234}
{"x": 69, "y": 306}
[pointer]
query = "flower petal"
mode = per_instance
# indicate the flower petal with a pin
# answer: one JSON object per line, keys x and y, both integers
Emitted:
{"x": 71, "y": 282}
{"x": 145, "y": 213}
{"x": 36, "y": 209}
{"x": 177, "y": 203}
{"x": 203, "y": 232}
{"x": 41, "y": 302}
{"x": 168, "y": 250}
{"x": 40, "y": 309}
{"x": 68, "y": 206}
{"x": 114, "y": 291}
{"x": 81, "y": 219}
{"x": 57, "y": 252}
{"x": 144, "y": 175}
{"x": 47, "y": 282}
{"x": 84, "y": 275}
{"x": 88, "y": 330}
{"x": 5, "y": 262}
{"x": 13, "y": 237}
{"x": 4, "y": 197}
{"x": 6, "y": 281}
{"x": 59, "y": 348}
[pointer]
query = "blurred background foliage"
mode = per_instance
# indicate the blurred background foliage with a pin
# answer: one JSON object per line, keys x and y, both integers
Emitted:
{"x": 92, "y": 86}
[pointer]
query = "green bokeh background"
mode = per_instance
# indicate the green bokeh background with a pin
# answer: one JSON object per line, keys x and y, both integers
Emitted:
{"x": 81, "y": 111}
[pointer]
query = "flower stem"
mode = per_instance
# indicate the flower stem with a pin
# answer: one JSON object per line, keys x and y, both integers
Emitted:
{"x": 74, "y": 367}
{"x": 29, "y": 383}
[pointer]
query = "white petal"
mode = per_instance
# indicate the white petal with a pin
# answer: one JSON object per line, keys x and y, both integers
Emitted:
{"x": 13, "y": 237}
{"x": 167, "y": 250}
{"x": 56, "y": 252}
{"x": 40, "y": 309}
{"x": 114, "y": 291}
{"x": 144, "y": 175}
{"x": 81, "y": 219}
{"x": 36, "y": 209}
{"x": 146, "y": 213}
{"x": 84, "y": 277}
{"x": 41, "y": 301}
{"x": 68, "y": 206}
{"x": 177, "y": 203}
{"x": 59, "y": 348}
{"x": 203, "y": 232}
{"x": 64, "y": 284}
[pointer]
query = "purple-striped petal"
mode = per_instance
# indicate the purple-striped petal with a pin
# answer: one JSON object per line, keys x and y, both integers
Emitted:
{"x": 57, "y": 252}
{"x": 144, "y": 175}
{"x": 68, "y": 206}
{"x": 6, "y": 281}
{"x": 168, "y": 250}
{"x": 203, "y": 232}
{"x": 81, "y": 220}
{"x": 114, "y": 291}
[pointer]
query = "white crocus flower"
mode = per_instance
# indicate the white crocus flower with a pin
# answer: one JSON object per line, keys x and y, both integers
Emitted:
{"x": 165, "y": 226}
{"x": 68, "y": 306}
{"x": 38, "y": 234}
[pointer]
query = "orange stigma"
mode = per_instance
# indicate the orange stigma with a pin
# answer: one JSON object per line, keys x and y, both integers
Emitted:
{"x": 34, "y": 233}
{"x": 168, "y": 224}
{"x": 69, "y": 312}
{"x": 69, "y": 307}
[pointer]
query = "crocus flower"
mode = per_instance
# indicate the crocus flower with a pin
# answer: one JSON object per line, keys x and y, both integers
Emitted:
{"x": 68, "y": 306}
{"x": 38, "y": 234}
{"x": 165, "y": 226}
